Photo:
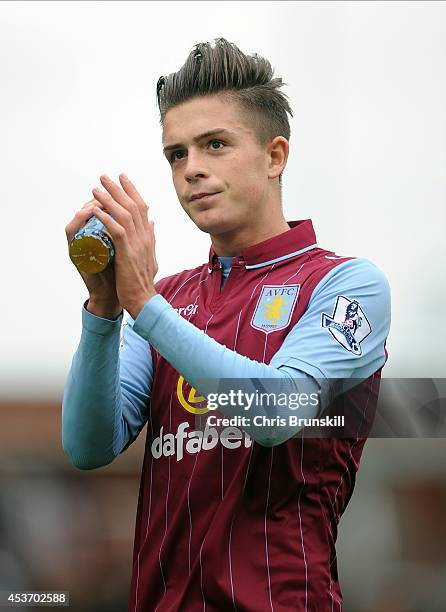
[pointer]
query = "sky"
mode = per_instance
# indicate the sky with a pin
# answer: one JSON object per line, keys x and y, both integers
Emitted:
{"x": 367, "y": 164}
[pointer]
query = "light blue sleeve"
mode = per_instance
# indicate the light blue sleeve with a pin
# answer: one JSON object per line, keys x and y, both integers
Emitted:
{"x": 324, "y": 343}
{"x": 210, "y": 367}
{"x": 107, "y": 392}
{"x": 341, "y": 336}
{"x": 343, "y": 332}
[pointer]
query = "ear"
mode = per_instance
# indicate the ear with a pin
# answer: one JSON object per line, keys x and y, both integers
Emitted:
{"x": 278, "y": 150}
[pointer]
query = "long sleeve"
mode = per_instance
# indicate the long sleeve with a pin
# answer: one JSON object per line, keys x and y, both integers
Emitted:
{"x": 317, "y": 352}
{"x": 107, "y": 391}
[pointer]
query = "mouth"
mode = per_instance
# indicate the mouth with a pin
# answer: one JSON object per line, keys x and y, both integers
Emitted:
{"x": 204, "y": 197}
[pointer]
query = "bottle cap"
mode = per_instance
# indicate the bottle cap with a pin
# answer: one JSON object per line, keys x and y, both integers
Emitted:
{"x": 92, "y": 251}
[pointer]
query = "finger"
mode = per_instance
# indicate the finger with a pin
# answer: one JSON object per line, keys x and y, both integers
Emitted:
{"x": 79, "y": 219}
{"x": 131, "y": 190}
{"x": 123, "y": 216}
{"x": 90, "y": 203}
{"x": 120, "y": 196}
{"x": 116, "y": 231}
{"x": 133, "y": 193}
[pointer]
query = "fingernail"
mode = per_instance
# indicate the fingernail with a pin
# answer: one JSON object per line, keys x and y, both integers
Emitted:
{"x": 124, "y": 176}
{"x": 106, "y": 178}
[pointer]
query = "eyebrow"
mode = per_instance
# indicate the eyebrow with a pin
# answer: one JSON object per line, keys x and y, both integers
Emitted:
{"x": 200, "y": 137}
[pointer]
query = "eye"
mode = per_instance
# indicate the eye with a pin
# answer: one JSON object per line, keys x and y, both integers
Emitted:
{"x": 216, "y": 141}
{"x": 172, "y": 155}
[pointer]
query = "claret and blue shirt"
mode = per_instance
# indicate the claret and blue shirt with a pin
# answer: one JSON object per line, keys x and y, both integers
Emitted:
{"x": 237, "y": 518}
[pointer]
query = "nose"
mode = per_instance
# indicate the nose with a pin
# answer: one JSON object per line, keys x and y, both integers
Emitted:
{"x": 194, "y": 167}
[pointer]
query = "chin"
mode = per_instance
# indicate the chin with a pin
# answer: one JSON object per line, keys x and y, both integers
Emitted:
{"x": 213, "y": 228}
{"x": 210, "y": 222}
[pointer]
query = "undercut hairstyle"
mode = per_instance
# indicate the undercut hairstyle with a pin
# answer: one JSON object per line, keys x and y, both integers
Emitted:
{"x": 221, "y": 68}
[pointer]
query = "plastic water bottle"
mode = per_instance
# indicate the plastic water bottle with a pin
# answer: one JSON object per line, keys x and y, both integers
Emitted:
{"x": 91, "y": 249}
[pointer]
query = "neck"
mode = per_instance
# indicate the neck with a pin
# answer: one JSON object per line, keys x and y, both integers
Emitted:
{"x": 234, "y": 242}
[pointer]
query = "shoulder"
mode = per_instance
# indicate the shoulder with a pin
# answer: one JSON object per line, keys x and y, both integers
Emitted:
{"x": 353, "y": 274}
{"x": 352, "y": 289}
{"x": 344, "y": 329}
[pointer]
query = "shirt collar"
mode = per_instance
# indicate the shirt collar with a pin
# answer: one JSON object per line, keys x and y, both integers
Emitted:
{"x": 298, "y": 239}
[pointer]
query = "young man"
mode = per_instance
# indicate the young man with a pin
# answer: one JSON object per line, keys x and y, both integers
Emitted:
{"x": 231, "y": 517}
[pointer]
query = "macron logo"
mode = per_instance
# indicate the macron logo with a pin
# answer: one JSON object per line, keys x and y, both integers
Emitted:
{"x": 187, "y": 311}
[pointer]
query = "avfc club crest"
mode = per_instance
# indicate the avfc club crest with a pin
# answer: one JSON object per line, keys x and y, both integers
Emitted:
{"x": 348, "y": 324}
{"x": 275, "y": 307}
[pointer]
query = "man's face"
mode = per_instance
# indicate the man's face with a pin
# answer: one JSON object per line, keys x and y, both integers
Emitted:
{"x": 229, "y": 162}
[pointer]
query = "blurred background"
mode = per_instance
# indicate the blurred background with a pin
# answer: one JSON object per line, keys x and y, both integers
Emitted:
{"x": 367, "y": 85}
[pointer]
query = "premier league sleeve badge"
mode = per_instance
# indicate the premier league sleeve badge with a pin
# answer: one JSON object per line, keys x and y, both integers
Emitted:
{"x": 348, "y": 324}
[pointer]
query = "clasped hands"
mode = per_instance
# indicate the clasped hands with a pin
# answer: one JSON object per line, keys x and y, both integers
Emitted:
{"x": 133, "y": 236}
